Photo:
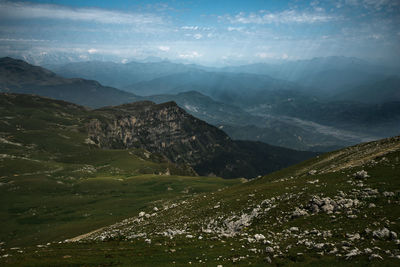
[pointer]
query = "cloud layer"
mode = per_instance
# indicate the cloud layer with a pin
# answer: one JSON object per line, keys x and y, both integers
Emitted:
{"x": 23, "y": 10}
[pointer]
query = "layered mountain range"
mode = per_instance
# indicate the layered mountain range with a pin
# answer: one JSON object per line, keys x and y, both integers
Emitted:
{"x": 247, "y": 106}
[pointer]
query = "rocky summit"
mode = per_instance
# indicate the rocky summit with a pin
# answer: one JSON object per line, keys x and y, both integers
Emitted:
{"x": 168, "y": 129}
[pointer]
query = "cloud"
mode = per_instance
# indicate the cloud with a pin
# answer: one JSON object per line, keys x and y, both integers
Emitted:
{"x": 164, "y": 48}
{"x": 198, "y": 36}
{"x": 265, "y": 55}
{"x": 284, "y": 17}
{"x": 92, "y": 51}
{"x": 196, "y": 28}
{"x": 22, "y": 40}
{"x": 190, "y": 55}
{"x": 24, "y": 10}
{"x": 231, "y": 29}
{"x": 192, "y": 28}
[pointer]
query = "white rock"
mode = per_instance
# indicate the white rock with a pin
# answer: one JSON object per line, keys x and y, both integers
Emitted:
{"x": 352, "y": 253}
{"x": 381, "y": 233}
{"x": 388, "y": 194}
{"x": 375, "y": 256}
{"x": 299, "y": 212}
{"x": 312, "y": 172}
{"x": 269, "y": 250}
{"x": 361, "y": 174}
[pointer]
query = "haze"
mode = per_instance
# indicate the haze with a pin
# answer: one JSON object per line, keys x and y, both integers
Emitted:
{"x": 213, "y": 33}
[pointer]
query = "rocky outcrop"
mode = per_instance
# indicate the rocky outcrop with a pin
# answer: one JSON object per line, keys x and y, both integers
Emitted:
{"x": 169, "y": 130}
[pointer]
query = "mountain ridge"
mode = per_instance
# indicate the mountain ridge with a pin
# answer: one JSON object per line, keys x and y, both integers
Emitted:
{"x": 20, "y": 77}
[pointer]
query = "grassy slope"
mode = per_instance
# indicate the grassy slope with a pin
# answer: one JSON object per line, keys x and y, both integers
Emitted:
{"x": 55, "y": 186}
{"x": 292, "y": 188}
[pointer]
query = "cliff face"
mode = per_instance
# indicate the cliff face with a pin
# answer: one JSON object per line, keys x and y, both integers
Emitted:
{"x": 163, "y": 128}
{"x": 169, "y": 130}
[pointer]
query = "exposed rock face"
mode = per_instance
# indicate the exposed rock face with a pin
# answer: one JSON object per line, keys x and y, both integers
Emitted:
{"x": 163, "y": 128}
{"x": 169, "y": 130}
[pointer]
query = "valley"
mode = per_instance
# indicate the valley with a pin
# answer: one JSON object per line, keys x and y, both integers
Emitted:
{"x": 199, "y": 133}
{"x": 114, "y": 178}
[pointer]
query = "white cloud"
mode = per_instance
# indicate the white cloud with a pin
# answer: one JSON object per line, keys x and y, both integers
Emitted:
{"x": 196, "y": 28}
{"x": 164, "y": 48}
{"x": 198, "y": 36}
{"x": 265, "y": 55}
{"x": 92, "y": 51}
{"x": 24, "y": 10}
{"x": 231, "y": 29}
{"x": 22, "y": 40}
{"x": 285, "y": 56}
{"x": 193, "y": 54}
{"x": 287, "y": 16}
{"x": 192, "y": 28}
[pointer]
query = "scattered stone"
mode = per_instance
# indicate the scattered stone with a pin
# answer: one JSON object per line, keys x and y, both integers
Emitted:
{"x": 388, "y": 194}
{"x": 367, "y": 251}
{"x": 383, "y": 233}
{"x": 269, "y": 249}
{"x": 299, "y": 212}
{"x": 375, "y": 256}
{"x": 352, "y": 253}
{"x": 361, "y": 174}
{"x": 312, "y": 172}
{"x": 259, "y": 237}
{"x": 353, "y": 237}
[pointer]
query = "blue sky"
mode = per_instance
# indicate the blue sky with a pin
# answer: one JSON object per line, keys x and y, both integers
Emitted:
{"x": 218, "y": 32}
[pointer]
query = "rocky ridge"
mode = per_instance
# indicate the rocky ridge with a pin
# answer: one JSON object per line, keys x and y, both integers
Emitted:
{"x": 167, "y": 129}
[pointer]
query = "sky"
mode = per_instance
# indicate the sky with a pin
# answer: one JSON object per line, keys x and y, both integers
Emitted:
{"x": 209, "y": 32}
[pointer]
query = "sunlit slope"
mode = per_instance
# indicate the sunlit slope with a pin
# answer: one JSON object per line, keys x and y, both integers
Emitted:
{"x": 54, "y": 184}
{"x": 341, "y": 208}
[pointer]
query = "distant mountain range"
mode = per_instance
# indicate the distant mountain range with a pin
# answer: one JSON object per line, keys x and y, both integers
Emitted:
{"x": 20, "y": 77}
{"x": 247, "y": 106}
{"x": 239, "y": 89}
{"x": 120, "y": 75}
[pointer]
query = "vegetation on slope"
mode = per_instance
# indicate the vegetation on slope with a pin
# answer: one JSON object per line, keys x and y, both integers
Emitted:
{"x": 55, "y": 184}
{"x": 339, "y": 208}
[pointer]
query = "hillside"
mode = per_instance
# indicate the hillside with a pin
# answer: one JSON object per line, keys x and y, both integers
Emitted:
{"x": 54, "y": 183}
{"x": 167, "y": 129}
{"x": 339, "y": 208}
{"x": 17, "y": 76}
{"x": 164, "y": 128}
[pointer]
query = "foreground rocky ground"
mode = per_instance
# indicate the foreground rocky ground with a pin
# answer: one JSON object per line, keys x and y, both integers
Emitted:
{"x": 339, "y": 208}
